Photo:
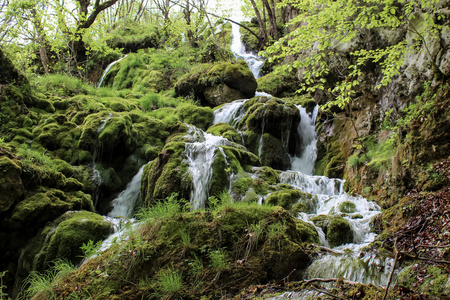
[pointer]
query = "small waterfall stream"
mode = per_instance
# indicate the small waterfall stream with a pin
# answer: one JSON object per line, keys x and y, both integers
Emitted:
{"x": 254, "y": 62}
{"x": 328, "y": 195}
{"x": 107, "y": 70}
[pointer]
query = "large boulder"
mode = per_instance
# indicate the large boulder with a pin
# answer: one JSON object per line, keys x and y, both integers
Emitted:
{"x": 216, "y": 84}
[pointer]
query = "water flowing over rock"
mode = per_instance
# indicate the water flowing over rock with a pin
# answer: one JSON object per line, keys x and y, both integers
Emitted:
{"x": 253, "y": 61}
{"x": 124, "y": 204}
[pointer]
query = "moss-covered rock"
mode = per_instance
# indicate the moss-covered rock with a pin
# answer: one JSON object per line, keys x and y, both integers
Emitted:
{"x": 76, "y": 229}
{"x": 278, "y": 85}
{"x": 430, "y": 280}
{"x": 166, "y": 174}
{"x": 201, "y": 117}
{"x": 226, "y": 131}
{"x": 215, "y": 84}
{"x": 333, "y": 163}
{"x": 339, "y": 232}
{"x": 11, "y": 187}
{"x": 294, "y": 200}
{"x": 45, "y": 206}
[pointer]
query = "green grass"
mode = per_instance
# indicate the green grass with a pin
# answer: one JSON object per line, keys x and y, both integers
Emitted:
{"x": 218, "y": 260}
{"x": 169, "y": 282}
{"x": 163, "y": 209}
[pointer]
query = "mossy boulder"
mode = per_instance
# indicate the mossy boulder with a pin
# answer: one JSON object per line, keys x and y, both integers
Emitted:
{"x": 277, "y": 122}
{"x": 76, "y": 229}
{"x": 8, "y": 73}
{"x": 267, "y": 174}
{"x": 339, "y": 232}
{"x": 226, "y": 131}
{"x": 166, "y": 174}
{"x": 332, "y": 164}
{"x": 294, "y": 200}
{"x": 278, "y": 85}
{"x": 216, "y": 84}
{"x": 11, "y": 186}
{"x": 201, "y": 117}
{"x": 44, "y": 206}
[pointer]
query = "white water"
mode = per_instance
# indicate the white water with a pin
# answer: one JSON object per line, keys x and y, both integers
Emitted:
{"x": 201, "y": 152}
{"x": 231, "y": 113}
{"x": 124, "y": 204}
{"x": 107, "y": 70}
{"x": 253, "y": 61}
{"x": 308, "y": 152}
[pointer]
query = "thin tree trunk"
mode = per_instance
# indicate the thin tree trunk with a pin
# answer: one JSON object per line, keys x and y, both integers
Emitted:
{"x": 262, "y": 25}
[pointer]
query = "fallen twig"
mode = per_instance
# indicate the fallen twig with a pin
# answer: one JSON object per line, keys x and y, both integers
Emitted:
{"x": 425, "y": 258}
{"x": 327, "y": 293}
{"x": 393, "y": 269}
{"x": 330, "y": 280}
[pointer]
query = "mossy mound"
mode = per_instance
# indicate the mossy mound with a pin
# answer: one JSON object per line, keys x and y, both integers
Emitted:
{"x": 185, "y": 246}
{"x": 333, "y": 163}
{"x": 167, "y": 174}
{"x": 12, "y": 189}
{"x": 431, "y": 280}
{"x": 201, "y": 117}
{"x": 278, "y": 85}
{"x": 339, "y": 232}
{"x": 216, "y": 84}
{"x": 270, "y": 127}
{"x": 293, "y": 200}
{"x": 226, "y": 131}
{"x": 70, "y": 232}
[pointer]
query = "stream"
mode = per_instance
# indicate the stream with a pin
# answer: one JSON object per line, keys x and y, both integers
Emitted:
{"x": 328, "y": 197}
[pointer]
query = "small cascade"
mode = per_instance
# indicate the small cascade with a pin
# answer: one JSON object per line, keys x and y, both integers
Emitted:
{"x": 231, "y": 113}
{"x": 308, "y": 151}
{"x": 253, "y": 61}
{"x": 200, "y": 154}
{"x": 107, "y": 70}
{"x": 124, "y": 204}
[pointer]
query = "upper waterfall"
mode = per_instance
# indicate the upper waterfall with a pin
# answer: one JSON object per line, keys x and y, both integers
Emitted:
{"x": 253, "y": 61}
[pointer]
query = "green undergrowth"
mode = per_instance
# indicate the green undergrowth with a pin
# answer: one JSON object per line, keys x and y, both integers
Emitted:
{"x": 175, "y": 252}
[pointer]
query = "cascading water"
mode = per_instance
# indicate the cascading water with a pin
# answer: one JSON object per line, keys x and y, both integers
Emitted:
{"x": 107, "y": 70}
{"x": 201, "y": 152}
{"x": 308, "y": 151}
{"x": 253, "y": 61}
{"x": 124, "y": 204}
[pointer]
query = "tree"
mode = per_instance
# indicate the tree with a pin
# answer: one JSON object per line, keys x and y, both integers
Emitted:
{"x": 322, "y": 26}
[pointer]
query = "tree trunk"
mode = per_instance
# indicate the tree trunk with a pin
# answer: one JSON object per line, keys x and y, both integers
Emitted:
{"x": 41, "y": 40}
{"x": 261, "y": 23}
{"x": 273, "y": 31}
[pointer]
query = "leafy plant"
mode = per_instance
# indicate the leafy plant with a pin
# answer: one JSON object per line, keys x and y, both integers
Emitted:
{"x": 3, "y": 294}
{"x": 169, "y": 282}
{"x": 163, "y": 209}
{"x": 218, "y": 260}
{"x": 90, "y": 248}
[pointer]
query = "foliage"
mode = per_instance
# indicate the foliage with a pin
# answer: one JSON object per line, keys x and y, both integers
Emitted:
{"x": 218, "y": 259}
{"x": 3, "y": 294}
{"x": 90, "y": 248}
{"x": 163, "y": 209}
{"x": 169, "y": 282}
{"x": 321, "y": 27}
{"x": 41, "y": 285}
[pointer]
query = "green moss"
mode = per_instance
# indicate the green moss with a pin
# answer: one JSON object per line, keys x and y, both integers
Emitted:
{"x": 220, "y": 177}
{"x": 201, "y": 117}
{"x": 11, "y": 183}
{"x": 306, "y": 102}
{"x": 226, "y": 131}
{"x": 72, "y": 233}
{"x": 46, "y": 206}
{"x": 339, "y": 232}
{"x": 241, "y": 185}
{"x": 166, "y": 174}
{"x": 333, "y": 163}
{"x": 347, "y": 207}
{"x": 431, "y": 280}
{"x": 294, "y": 200}
{"x": 269, "y": 175}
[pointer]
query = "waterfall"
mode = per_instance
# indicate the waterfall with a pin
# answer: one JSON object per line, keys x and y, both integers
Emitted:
{"x": 124, "y": 204}
{"x": 253, "y": 61}
{"x": 308, "y": 151}
{"x": 200, "y": 154}
{"x": 107, "y": 70}
{"x": 230, "y": 113}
